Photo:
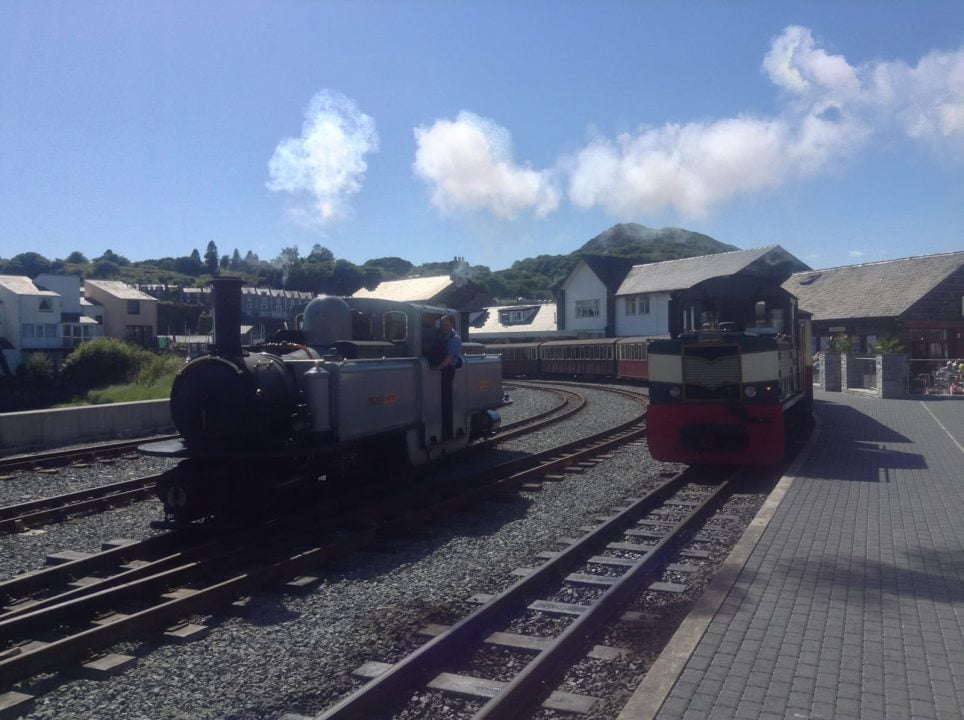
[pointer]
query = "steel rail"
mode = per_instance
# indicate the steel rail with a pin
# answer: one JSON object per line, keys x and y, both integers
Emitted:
{"x": 548, "y": 667}
{"x": 17, "y": 517}
{"x": 17, "y": 664}
{"x": 418, "y": 667}
{"x": 48, "y": 458}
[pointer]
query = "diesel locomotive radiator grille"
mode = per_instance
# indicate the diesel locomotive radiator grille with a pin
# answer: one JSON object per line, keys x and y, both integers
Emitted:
{"x": 711, "y": 371}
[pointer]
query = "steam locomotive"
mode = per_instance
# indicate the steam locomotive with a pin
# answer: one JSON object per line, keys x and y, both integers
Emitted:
{"x": 354, "y": 382}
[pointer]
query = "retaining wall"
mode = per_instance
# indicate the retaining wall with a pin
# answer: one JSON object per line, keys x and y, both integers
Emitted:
{"x": 35, "y": 429}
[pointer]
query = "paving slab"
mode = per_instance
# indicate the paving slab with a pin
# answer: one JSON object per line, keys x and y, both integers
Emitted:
{"x": 845, "y": 598}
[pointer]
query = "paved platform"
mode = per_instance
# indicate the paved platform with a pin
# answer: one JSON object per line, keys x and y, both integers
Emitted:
{"x": 845, "y": 598}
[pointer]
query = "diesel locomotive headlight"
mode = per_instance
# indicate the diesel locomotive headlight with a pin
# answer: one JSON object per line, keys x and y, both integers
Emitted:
{"x": 674, "y": 392}
{"x": 750, "y": 391}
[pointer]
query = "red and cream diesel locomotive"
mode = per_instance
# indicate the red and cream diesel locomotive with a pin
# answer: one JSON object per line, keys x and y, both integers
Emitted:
{"x": 734, "y": 391}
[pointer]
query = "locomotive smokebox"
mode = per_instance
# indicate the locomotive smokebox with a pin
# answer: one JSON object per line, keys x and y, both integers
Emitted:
{"x": 227, "y": 316}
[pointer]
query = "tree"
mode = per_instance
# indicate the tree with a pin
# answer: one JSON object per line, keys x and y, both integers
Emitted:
{"x": 371, "y": 277}
{"x": 77, "y": 257}
{"x": 236, "y": 261}
{"x": 225, "y": 262}
{"x": 391, "y": 267}
{"x": 113, "y": 257}
{"x": 211, "y": 258}
{"x": 30, "y": 264}
{"x": 308, "y": 276}
{"x": 346, "y": 278}
{"x": 189, "y": 265}
{"x": 321, "y": 253}
{"x": 104, "y": 269}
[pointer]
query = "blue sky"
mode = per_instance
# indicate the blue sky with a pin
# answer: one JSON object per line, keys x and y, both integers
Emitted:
{"x": 490, "y": 130}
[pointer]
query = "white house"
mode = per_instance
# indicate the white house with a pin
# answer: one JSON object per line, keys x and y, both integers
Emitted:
{"x": 644, "y": 298}
{"x": 81, "y": 320}
{"x": 29, "y": 321}
{"x": 586, "y": 299}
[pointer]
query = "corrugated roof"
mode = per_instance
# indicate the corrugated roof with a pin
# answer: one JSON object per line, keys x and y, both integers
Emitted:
{"x": 880, "y": 289}
{"x": 543, "y": 320}
{"x": 22, "y": 285}
{"x": 420, "y": 289}
{"x": 120, "y": 290}
{"x": 684, "y": 273}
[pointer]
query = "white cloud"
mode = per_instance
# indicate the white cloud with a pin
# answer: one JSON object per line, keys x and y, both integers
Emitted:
{"x": 831, "y": 110}
{"x": 324, "y": 167}
{"x": 468, "y": 165}
{"x": 856, "y": 253}
{"x": 695, "y": 167}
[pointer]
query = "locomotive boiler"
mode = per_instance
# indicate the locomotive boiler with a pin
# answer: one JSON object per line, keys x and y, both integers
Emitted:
{"x": 354, "y": 382}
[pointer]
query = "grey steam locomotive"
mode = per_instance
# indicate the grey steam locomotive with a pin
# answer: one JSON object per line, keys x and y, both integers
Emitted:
{"x": 354, "y": 381}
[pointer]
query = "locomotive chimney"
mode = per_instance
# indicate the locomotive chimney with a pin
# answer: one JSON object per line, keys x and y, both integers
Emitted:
{"x": 227, "y": 316}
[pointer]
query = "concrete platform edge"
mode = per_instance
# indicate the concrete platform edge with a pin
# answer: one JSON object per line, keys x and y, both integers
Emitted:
{"x": 651, "y": 693}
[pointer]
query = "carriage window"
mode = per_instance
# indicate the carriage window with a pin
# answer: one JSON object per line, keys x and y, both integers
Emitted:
{"x": 396, "y": 326}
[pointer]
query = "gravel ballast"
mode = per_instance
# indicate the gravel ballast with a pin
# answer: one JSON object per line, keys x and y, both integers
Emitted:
{"x": 294, "y": 653}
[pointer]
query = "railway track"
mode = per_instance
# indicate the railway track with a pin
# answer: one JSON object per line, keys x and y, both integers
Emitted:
{"x": 125, "y": 590}
{"x": 619, "y": 557}
{"x": 89, "y": 454}
{"x": 22, "y": 516}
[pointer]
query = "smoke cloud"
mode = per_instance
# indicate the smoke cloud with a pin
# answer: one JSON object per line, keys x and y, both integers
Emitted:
{"x": 324, "y": 167}
{"x": 468, "y": 165}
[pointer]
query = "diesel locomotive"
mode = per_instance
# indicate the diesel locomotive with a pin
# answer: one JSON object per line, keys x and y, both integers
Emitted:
{"x": 353, "y": 383}
{"x": 739, "y": 388}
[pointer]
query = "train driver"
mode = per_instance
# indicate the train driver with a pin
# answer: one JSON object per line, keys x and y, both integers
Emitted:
{"x": 449, "y": 349}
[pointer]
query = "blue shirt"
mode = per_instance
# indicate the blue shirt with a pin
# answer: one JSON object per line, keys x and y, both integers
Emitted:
{"x": 453, "y": 347}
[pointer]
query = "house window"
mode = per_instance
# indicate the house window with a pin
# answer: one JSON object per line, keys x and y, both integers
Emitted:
{"x": 133, "y": 307}
{"x": 587, "y": 308}
{"x": 50, "y": 330}
{"x": 637, "y": 305}
{"x": 140, "y": 334}
{"x": 46, "y": 305}
{"x": 27, "y": 330}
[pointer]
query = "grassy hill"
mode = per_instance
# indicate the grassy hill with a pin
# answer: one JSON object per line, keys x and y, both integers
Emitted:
{"x": 534, "y": 278}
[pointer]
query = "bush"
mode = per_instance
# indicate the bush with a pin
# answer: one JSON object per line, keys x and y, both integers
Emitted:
{"x": 159, "y": 368}
{"x": 104, "y": 361}
{"x": 37, "y": 369}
